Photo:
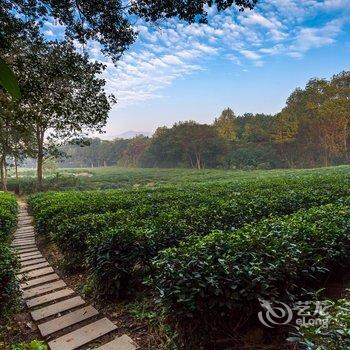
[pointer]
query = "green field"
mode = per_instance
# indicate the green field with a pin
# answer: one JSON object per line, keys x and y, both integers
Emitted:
{"x": 201, "y": 246}
{"x": 115, "y": 177}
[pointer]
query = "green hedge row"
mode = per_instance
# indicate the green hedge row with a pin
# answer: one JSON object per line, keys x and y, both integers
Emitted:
{"x": 8, "y": 214}
{"x": 8, "y": 262}
{"x": 119, "y": 245}
{"x": 225, "y": 273}
{"x": 119, "y": 253}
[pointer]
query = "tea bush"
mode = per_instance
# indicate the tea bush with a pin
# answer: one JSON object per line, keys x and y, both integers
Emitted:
{"x": 8, "y": 214}
{"x": 8, "y": 262}
{"x": 119, "y": 232}
{"x": 225, "y": 273}
{"x": 332, "y": 332}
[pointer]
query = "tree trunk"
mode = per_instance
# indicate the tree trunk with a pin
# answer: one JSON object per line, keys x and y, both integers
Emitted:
{"x": 40, "y": 159}
{"x": 17, "y": 176}
{"x": 3, "y": 174}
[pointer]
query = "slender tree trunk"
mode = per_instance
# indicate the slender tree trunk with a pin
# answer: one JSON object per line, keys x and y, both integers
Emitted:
{"x": 3, "y": 174}
{"x": 17, "y": 176}
{"x": 40, "y": 158}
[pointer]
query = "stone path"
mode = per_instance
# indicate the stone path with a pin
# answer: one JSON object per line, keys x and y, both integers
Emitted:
{"x": 63, "y": 317}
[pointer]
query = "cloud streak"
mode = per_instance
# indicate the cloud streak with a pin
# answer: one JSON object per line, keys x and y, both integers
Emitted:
{"x": 173, "y": 50}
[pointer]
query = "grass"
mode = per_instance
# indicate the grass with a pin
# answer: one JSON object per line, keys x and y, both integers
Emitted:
{"x": 115, "y": 177}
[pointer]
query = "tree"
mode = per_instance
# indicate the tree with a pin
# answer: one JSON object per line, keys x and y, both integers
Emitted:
{"x": 108, "y": 22}
{"x": 62, "y": 96}
{"x": 225, "y": 125}
{"x": 134, "y": 151}
{"x": 200, "y": 143}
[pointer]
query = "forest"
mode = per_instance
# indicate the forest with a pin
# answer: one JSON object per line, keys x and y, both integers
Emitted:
{"x": 313, "y": 129}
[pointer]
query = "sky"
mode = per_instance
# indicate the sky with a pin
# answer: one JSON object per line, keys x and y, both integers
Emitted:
{"x": 249, "y": 61}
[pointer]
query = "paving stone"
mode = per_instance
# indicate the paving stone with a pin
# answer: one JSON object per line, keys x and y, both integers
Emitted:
{"x": 24, "y": 249}
{"x": 65, "y": 321}
{"x": 22, "y": 243}
{"x": 29, "y": 254}
{"x": 34, "y": 267}
{"x": 40, "y": 280}
{"x": 121, "y": 343}
{"x": 28, "y": 229}
{"x": 35, "y": 273}
{"x": 27, "y": 258}
{"x": 32, "y": 262}
{"x": 23, "y": 239}
{"x": 49, "y": 297}
{"x": 34, "y": 292}
{"x": 26, "y": 236}
{"x": 25, "y": 230}
{"x": 56, "y": 308}
{"x": 83, "y": 335}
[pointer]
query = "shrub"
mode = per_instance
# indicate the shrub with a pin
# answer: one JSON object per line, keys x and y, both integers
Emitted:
{"x": 335, "y": 336}
{"x": 225, "y": 273}
{"x": 146, "y": 237}
{"x": 8, "y": 214}
{"x": 9, "y": 290}
{"x": 146, "y": 221}
{"x": 8, "y": 262}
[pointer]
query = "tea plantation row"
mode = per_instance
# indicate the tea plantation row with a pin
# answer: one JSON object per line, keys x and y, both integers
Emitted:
{"x": 8, "y": 262}
{"x": 118, "y": 233}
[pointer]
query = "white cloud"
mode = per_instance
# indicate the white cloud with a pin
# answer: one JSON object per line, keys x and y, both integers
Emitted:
{"x": 175, "y": 50}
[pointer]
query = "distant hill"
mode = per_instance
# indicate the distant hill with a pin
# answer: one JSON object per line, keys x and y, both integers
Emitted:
{"x": 130, "y": 134}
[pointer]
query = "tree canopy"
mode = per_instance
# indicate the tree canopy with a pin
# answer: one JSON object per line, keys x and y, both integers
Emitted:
{"x": 108, "y": 22}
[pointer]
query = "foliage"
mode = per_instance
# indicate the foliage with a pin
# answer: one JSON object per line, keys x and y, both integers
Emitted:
{"x": 32, "y": 345}
{"x": 9, "y": 265}
{"x": 62, "y": 95}
{"x": 223, "y": 274}
{"x": 8, "y": 215}
{"x": 107, "y": 22}
{"x": 119, "y": 232}
{"x": 336, "y": 336}
{"x": 8, "y": 80}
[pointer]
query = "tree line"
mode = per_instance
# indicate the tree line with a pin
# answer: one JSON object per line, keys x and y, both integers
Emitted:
{"x": 313, "y": 129}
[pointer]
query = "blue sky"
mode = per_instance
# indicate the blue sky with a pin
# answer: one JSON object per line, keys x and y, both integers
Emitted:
{"x": 249, "y": 61}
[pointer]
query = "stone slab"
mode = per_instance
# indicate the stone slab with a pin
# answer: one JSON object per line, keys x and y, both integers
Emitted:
{"x": 23, "y": 234}
{"x": 68, "y": 320}
{"x": 27, "y": 258}
{"x": 56, "y": 308}
{"x": 48, "y": 287}
{"x": 83, "y": 335}
{"x": 20, "y": 246}
{"x": 29, "y": 251}
{"x": 27, "y": 238}
{"x": 32, "y": 262}
{"x": 40, "y": 280}
{"x": 25, "y": 249}
{"x": 44, "y": 299}
{"x": 36, "y": 273}
{"x": 25, "y": 229}
{"x": 29, "y": 254}
{"x": 23, "y": 239}
{"x": 23, "y": 243}
{"x": 121, "y": 343}
{"x": 34, "y": 267}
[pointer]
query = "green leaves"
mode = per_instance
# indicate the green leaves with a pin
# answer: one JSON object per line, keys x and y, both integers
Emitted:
{"x": 226, "y": 273}
{"x": 8, "y": 80}
{"x": 9, "y": 265}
